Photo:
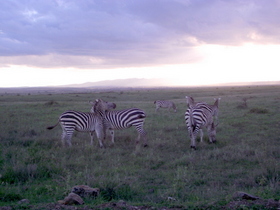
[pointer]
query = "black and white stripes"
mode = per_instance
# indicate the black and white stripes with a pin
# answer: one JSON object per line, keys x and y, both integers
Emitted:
{"x": 71, "y": 121}
{"x": 214, "y": 109}
{"x": 165, "y": 104}
{"x": 200, "y": 115}
{"x": 121, "y": 119}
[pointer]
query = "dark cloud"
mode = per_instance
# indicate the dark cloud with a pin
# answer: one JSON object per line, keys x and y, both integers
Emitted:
{"x": 109, "y": 33}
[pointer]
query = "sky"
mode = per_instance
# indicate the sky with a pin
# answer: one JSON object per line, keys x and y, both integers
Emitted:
{"x": 185, "y": 42}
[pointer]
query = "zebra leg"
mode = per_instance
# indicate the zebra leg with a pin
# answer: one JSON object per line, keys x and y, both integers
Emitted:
{"x": 201, "y": 135}
{"x": 193, "y": 139}
{"x": 63, "y": 136}
{"x": 141, "y": 134}
{"x": 193, "y": 146}
{"x": 100, "y": 136}
{"x": 66, "y": 137}
{"x": 68, "y": 140}
{"x": 212, "y": 133}
{"x": 144, "y": 137}
{"x": 112, "y": 132}
{"x": 91, "y": 137}
{"x": 138, "y": 139}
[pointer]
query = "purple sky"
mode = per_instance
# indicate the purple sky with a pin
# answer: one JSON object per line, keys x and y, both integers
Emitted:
{"x": 108, "y": 34}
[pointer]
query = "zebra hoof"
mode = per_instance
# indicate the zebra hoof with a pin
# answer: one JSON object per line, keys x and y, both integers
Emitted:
{"x": 193, "y": 147}
{"x": 145, "y": 145}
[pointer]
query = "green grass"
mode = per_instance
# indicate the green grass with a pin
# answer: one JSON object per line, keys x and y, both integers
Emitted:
{"x": 246, "y": 157}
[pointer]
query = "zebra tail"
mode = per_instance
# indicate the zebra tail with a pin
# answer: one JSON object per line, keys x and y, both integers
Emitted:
{"x": 192, "y": 121}
{"x": 51, "y": 127}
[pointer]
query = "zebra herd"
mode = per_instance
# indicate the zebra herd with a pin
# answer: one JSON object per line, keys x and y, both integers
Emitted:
{"x": 103, "y": 117}
{"x": 99, "y": 119}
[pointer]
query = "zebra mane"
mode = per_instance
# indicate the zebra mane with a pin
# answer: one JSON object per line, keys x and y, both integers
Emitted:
{"x": 98, "y": 106}
{"x": 190, "y": 101}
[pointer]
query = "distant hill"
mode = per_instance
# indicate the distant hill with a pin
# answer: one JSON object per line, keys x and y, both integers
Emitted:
{"x": 133, "y": 82}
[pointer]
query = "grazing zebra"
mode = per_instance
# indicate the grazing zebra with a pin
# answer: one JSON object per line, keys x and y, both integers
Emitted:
{"x": 83, "y": 122}
{"x": 165, "y": 104}
{"x": 214, "y": 109}
{"x": 196, "y": 119}
{"x": 120, "y": 119}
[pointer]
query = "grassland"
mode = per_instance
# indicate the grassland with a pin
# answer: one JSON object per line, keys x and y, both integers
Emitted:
{"x": 246, "y": 157}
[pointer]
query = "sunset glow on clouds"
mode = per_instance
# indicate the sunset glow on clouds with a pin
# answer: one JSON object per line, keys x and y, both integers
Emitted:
{"x": 192, "y": 42}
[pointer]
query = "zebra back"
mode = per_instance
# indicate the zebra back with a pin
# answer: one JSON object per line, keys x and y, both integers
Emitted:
{"x": 214, "y": 109}
{"x": 120, "y": 119}
{"x": 101, "y": 106}
{"x": 198, "y": 117}
{"x": 80, "y": 121}
{"x": 125, "y": 118}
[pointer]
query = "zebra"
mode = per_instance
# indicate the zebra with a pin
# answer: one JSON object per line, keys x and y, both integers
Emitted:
{"x": 196, "y": 118}
{"x": 83, "y": 122}
{"x": 120, "y": 119}
{"x": 165, "y": 104}
{"x": 214, "y": 109}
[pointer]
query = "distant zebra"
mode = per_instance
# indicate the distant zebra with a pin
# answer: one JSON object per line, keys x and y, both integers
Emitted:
{"x": 116, "y": 120}
{"x": 214, "y": 109}
{"x": 197, "y": 117}
{"x": 165, "y": 104}
{"x": 71, "y": 121}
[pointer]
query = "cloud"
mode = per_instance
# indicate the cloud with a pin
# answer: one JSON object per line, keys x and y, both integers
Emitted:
{"x": 113, "y": 34}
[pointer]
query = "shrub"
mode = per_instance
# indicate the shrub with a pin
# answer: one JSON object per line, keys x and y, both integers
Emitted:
{"x": 259, "y": 110}
{"x": 51, "y": 103}
{"x": 8, "y": 197}
{"x": 22, "y": 174}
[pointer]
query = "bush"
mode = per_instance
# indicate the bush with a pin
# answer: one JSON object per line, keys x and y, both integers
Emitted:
{"x": 8, "y": 197}
{"x": 22, "y": 174}
{"x": 51, "y": 103}
{"x": 259, "y": 110}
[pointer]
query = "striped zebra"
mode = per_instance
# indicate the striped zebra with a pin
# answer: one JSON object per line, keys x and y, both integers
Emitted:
{"x": 214, "y": 109}
{"x": 165, "y": 104}
{"x": 120, "y": 119}
{"x": 196, "y": 119}
{"x": 71, "y": 121}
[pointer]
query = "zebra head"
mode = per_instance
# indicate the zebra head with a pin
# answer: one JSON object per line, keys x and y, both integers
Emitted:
{"x": 99, "y": 104}
{"x": 212, "y": 133}
{"x": 111, "y": 105}
{"x": 190, "y": 101}
{"x": 217, "y": 101}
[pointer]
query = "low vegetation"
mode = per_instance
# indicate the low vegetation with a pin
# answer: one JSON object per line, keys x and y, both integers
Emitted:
{"x": 167, "y": 173}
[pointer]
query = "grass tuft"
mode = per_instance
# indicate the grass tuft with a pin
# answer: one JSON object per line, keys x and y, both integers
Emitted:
{"x": 259, "y": 111}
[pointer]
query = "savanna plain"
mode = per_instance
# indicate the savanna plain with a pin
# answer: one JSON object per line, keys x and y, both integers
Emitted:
{"x": 167, "y": 173}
